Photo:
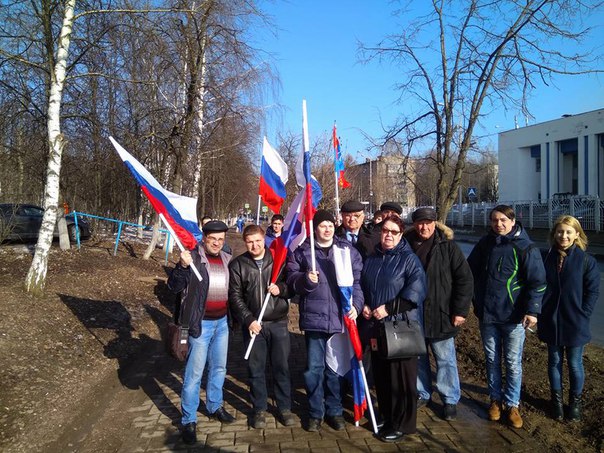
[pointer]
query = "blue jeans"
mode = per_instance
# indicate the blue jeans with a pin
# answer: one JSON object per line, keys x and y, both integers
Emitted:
{"x": 503, "y": 342}
{"x": 447, "y": 376}
{"x": 322, "y": 384}
{"x": 273, "y": 343}
{"x": 576, "y": 373}
{"x": 211, "y": 346}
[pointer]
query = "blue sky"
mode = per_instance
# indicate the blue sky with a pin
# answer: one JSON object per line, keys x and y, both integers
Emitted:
{"x": 315, "y": 52}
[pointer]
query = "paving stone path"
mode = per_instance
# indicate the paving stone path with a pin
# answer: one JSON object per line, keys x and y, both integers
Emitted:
{"x": 139, "y": 412}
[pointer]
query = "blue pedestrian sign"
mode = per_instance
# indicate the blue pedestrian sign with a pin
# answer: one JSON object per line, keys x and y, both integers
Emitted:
{"x": 472, "y": 192}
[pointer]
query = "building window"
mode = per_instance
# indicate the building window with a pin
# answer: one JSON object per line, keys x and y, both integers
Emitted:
{"x": 538, "y": 165}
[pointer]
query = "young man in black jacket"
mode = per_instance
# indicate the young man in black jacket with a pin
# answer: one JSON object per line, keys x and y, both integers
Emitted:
{"x": 249, "y": 282}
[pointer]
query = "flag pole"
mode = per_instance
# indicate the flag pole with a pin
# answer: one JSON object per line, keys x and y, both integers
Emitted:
{"x": 335, "y": 170}
{"x": 258, "y": 213}
{"x": 260, "y": 316}
{"x": 169, "y": 228}
{"x": 308, "y": 209}
{"x": 368, "y": 395}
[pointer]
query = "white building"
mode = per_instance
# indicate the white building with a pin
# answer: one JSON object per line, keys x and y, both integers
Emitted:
{"x": 559, "y": 156}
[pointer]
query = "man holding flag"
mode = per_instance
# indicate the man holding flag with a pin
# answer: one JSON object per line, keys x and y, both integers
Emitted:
{"x": 321, "y": 315}
{"x": 205, "y": 300}
{"x": 250, "y": 279}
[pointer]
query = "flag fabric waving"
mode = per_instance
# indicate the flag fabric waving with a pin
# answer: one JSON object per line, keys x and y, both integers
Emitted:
{"x": 273, "y": 177}
{"x": 180, "y": 212}
{"x": 294, "y": 233}
{"x": 344, "y": 354}
{"x": 342, "y": 182}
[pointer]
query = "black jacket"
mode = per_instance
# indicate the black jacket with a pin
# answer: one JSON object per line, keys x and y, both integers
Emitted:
{"x": 247, "y": 290}
{"x": 192, "y": 291}
{"x": 450, "y": 284}
{"x": 365, "y": 240}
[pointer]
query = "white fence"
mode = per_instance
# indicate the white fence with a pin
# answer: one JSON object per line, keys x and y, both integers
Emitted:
{"x": 532, "y": 214}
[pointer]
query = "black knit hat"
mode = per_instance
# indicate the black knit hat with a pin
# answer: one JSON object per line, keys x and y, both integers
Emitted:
{"x": 391, "y": 206}
{"x": 214, "y": 226}
{"x": 423, "y": 214}
{"x": 321, "y": 216}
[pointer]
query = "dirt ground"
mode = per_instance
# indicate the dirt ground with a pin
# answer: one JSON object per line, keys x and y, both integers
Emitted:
{"x": 99, "y": 311}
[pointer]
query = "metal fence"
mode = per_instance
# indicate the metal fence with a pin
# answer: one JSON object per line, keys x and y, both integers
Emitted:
{"x": 588, "y": 210}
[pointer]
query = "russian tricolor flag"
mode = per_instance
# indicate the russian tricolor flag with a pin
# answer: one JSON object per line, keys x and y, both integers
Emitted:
{"x": 180, "y": 212}
{"x": 273, "y": 177}
{"x": 344, "y": 353}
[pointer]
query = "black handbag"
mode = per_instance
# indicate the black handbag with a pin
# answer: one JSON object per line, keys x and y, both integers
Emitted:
{"x": 401, "y": 337}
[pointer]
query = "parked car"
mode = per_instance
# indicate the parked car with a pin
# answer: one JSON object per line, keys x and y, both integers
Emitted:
{"x": 22, "y": 221}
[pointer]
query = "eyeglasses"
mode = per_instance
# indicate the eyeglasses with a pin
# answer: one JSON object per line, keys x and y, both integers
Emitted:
{"x": 385, "y": 231}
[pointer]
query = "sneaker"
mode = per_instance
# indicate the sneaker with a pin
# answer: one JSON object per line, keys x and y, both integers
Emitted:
{"x": 422, "y": 402}
{"x": 336, "y": 422}
{"x": 495, "y": 411}
{"x": 314, "y": 424}
{"x": 287, "y": 418}
{"x": 450, "y": 412}
{"x": 259, "y": 420}
{"x": 189, "y": 433}
{"x": 514, "y": 417}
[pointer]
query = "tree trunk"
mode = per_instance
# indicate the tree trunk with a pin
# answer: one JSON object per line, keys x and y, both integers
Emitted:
{"x": 154, "y": 238}
{"x": 36, "y": 277}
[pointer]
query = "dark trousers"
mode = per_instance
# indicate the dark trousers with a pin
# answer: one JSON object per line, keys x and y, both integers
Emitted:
{"x": 272, "y": 343}
{"x": 396, "y": 389}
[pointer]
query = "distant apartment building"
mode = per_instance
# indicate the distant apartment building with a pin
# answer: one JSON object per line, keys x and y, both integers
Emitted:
{"x": 386, "y": 178}
{"x": 559, "y": 156}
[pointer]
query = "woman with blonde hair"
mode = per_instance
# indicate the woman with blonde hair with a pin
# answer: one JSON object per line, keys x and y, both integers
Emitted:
{"x": 573, "y": 285}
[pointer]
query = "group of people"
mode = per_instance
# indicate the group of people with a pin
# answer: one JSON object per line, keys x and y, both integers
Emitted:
{"x": 419, "y": 273}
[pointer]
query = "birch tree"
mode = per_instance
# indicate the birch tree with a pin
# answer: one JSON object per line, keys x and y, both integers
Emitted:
{"x": 463, "y": 59}
{"x": 36, "y": 277}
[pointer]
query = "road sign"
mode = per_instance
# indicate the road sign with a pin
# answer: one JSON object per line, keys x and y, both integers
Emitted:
{"x": 472, "y": 192}
{"x": 264, "y": 209}
{"x": 246, "y": 206}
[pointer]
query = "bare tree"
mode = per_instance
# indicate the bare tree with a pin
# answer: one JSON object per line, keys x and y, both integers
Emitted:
{"x": 466, "y": 58}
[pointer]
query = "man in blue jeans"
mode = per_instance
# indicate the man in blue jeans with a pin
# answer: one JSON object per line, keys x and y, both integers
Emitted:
{"x": 509, "y": 283}
{"x": 206, "y": 303}
{"x": 445, "y": 309}
{"x": 321, "y": 316}
{"x": 249, "y": 281}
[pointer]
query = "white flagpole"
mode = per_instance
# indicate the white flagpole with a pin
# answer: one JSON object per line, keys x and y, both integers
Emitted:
{"x": 169, "y": 228}
{"x": 258, "y": 213}
{"x": 368, "y": 396}
{"x": 260, "y": 316}
{"x": 335, "y": 150}
{"x": 306, "y": 147}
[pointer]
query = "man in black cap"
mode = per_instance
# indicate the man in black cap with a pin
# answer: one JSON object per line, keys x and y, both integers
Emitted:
{"x": 353, "y": 228}
{"x": 204, "y": 310}
{"x": 450, "y": 290}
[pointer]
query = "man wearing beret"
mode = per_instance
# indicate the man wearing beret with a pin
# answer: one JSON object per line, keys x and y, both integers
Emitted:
{"x": 353, "y": 228}
{"x": 450, "y": 289}
{"x": 206, "y": 303}
{"x": 321, "y": 315}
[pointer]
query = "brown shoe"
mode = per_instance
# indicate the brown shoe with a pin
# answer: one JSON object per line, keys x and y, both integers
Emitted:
{"x": 514, "y": 417}
{"x": 495, "y": 411}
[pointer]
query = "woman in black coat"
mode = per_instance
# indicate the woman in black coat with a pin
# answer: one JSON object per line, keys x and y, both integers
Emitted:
{"x": 394, "y": 283}
{"x": 573, "y": 283}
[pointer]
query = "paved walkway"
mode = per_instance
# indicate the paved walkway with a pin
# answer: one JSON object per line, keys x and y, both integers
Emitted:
{"x": 139, "y": 412}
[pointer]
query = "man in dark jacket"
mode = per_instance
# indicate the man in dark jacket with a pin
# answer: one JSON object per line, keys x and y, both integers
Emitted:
{"x": 250, "y": 277}
{"x": 206, "y": 302}
{"x": 446, "y": 306}
{"x": 353, "y": 228}
{"x": 509, "y": 282}
{"x": 321, "y": 315}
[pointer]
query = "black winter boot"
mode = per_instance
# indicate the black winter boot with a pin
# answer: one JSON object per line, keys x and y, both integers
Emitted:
{"x": 557, "y": 408}
{"x": 574, "y": 409}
